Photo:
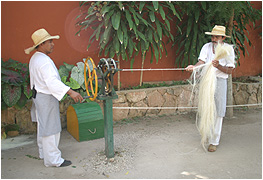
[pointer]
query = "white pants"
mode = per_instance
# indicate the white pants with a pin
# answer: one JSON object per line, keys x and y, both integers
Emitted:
{"x": 217, "y": 133}
{"x": 48, "y": 150}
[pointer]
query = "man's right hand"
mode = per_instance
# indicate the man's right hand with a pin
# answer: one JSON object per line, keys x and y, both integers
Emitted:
{"x": 190, "y": 68}
{"x": 75, "y": 96}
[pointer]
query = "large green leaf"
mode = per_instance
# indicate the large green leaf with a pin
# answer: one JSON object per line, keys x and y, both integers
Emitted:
{"x": 11, "y": 94}
{"x": 134, "y": 16}
{"x": 129, "y": 19}
{"x": 162, "y": 12}
{"x": 156, "y": 51}
{"x": 155, "y": 5}
{"x": 142, "y": 3}
{"x": 116, "y": 45}
{"x": 77, "y": 73}
{"x": 72, "y": 84}
{"x": 11, "y": 77}
{"x": 141, "y": 35}
{"x": 130, "y": 48}
{"x": 174, "y": 11}
{"x": 152, "y": 16}
{"x": 149, "y": 35}
{"x": 63, "y": 71}
{"x": 125, "y": 35}
{"x": 115, "y": 20}
{"x": 168, "y": 24}
{"x": 21, "y": 102}
{"x": 27, "y": 90}
{"x": 120, "y": 35}
{"x": 159, "y": 29}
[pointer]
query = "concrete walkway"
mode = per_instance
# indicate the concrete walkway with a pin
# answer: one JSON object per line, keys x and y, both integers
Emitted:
{"x": 148, "y": 147}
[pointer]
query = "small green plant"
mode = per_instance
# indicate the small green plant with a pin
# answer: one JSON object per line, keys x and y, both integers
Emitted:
{"x": 15, "y": 84}
{"x": 163, "y": 84}
{"x": 73, "y": 76}
{"x": 11, "y": 127}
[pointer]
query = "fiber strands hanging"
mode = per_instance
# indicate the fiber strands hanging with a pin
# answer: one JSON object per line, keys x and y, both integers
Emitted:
{"x": 205, "y": 76}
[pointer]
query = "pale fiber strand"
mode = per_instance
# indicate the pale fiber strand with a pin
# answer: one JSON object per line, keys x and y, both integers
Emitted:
{"x": 205, "y": 76}
{"x": 206, "y": 111}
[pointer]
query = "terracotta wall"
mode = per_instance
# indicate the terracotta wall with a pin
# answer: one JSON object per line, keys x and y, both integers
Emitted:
{"x": 19, "y": 19}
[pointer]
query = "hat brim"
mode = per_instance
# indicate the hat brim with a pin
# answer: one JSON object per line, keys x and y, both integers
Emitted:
{"x": 215, "y": 34}
{"x": 28, "y": 50}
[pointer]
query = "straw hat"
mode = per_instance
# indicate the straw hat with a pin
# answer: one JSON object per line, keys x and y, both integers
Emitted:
{"x": 39, "y": 37}
{"x": 218, "y": 31}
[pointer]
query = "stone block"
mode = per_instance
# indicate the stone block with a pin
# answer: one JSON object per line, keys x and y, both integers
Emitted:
{"x": 135, "y": 96}
{"x": 119, "y": 114}
{"x": 162, "y": 91}
{"x": 241, "y": 97}
{"x": 184, "y": 100}
{"x": 138, "y": 112}
{"x": 178, "y": 90}
{"x": 169, "y": 102}
{"x": 252, "y": 88}
{"x": 155, "y": 99}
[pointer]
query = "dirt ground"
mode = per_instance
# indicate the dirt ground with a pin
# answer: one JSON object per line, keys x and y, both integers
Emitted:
{"x": 149, "y": 147}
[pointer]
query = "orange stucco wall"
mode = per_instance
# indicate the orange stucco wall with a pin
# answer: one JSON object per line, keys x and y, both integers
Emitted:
{"x": 19, "y": 19}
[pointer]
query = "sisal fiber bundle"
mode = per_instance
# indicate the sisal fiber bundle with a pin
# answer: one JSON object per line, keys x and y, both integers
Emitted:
{"x": 205, "y": 76}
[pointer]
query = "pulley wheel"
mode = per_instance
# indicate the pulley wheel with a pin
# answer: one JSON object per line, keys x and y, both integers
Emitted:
{"x": 91, "y": 80}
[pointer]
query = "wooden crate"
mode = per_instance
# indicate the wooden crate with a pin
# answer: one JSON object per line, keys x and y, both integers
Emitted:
{"x": 85, "y": 121}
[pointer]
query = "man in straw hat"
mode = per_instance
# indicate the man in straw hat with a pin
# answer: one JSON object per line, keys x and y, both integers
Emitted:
{"x": 222, "y": 67}
{"x": 48, "y": 90}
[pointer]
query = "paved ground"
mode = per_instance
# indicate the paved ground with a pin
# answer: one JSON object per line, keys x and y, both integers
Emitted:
{"x": 149, "y": 147}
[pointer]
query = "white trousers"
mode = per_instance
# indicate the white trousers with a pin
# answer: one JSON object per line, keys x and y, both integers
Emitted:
{"x": 217, "y": 133}
{"x": 48, "y": 150}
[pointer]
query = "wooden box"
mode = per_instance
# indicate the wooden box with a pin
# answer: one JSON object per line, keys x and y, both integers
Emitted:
{"x": 85, "y": 121}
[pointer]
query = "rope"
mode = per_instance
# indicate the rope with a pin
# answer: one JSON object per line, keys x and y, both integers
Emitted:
{"x": 181, "y": 107}
{"x": 165, "y": 69}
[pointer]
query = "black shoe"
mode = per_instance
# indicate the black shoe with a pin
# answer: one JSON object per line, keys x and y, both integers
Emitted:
{"x": 65, "y": 163}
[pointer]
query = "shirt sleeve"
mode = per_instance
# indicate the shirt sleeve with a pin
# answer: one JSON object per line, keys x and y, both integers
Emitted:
{"x": 50, "y": 76}
{"x": 203, "y": 53}
{"x": 231, "y": 59}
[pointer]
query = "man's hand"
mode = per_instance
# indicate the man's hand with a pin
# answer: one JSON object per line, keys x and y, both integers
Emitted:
{"x": 215, "y": 63}
{"x": 75, "y": 96}
{"x": 190, "y": 68}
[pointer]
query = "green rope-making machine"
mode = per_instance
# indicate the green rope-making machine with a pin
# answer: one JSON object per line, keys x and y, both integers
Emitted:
{"x": 85, "y": 120}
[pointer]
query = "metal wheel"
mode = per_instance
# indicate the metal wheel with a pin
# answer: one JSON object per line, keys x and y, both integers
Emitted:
{"x": 91, "y": 78}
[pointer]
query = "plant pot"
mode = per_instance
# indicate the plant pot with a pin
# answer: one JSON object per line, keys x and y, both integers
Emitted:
{"x": 12, "y": 133}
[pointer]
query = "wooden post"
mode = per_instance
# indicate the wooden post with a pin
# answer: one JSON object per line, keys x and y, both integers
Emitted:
{"x": 119, "y": 74}
{"x": 143, "y": 58}
{"x": 229, "y": 110}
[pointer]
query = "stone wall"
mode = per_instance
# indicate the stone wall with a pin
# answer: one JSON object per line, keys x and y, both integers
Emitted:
{"x": 247, "y": 93}
{"x": 175, "y": 96}
{"x": 178, "y": 97}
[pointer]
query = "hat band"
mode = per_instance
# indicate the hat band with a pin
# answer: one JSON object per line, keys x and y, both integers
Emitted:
{"x": 42, "y": 40}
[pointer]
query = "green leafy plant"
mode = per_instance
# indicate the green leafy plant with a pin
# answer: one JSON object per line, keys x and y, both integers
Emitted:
{"x": 201, "y": 16}
{"x": 11, "y": 127}
{"x": 73, "y": 76}
{"x": 15, "y": 84}
{"x": 126, "y": 28}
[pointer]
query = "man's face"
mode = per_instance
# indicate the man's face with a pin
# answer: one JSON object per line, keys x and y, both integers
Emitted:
{"x": 217, "y": 39}
{"x": 48, "y": 46}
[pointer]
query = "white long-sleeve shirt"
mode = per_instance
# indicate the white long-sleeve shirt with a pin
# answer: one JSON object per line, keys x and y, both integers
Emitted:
{"x": 207, "y": 55}
{"x": 45, "y": 77}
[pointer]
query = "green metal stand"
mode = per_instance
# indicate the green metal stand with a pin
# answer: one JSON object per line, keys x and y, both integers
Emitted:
{"x": 108, "y": 128}
{"x": 108, "y": 124}
{"x": 107, "y": 68}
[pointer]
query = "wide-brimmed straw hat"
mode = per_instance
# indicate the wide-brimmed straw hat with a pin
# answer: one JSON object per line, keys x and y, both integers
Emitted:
{"x": 39, "y": 37}
{"x": 218, "y": 31}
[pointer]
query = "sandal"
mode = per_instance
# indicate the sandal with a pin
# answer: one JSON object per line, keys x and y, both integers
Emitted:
{"x": 211, "y": 148}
